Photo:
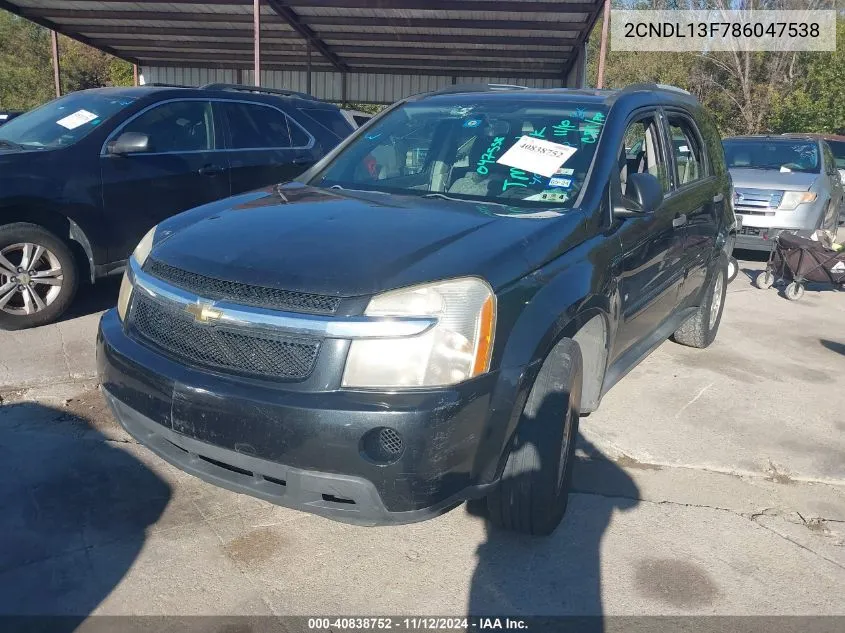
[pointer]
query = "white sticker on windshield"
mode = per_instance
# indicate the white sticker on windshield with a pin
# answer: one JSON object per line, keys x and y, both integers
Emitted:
{"x": 537, "y": 156}
{"x": 80, "y": 117}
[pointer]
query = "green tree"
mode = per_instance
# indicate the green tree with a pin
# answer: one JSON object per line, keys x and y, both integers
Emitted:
{"x": 817, "y": 104}
{"x": 26, "y": 78}
{"x": 26, "y": 65}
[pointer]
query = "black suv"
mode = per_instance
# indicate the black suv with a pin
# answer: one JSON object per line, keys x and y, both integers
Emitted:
{"x": 83, "y": 177}
{"x": 422, "y": 317}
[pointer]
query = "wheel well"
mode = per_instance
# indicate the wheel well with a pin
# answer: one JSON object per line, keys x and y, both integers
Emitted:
{"x": 63, "y": 228}
{"x": 592, "y": 339}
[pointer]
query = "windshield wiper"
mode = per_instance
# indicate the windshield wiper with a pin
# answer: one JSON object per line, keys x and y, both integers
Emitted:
{"x": 443, "y": 196}
{"x": 339, "y": 188}
{"x": 11, "y": 144}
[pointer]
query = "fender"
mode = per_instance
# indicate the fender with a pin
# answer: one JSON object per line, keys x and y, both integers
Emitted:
{"x": 41, "y": 213}
{"x": 565, "y": 295}
{"x": 78, "y": 235}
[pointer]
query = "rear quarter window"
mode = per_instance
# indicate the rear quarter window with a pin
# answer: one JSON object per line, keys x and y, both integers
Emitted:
{"x": 331, "y": 120}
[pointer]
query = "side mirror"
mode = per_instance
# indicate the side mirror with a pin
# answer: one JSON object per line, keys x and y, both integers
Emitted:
{"x": 129, "y": 143}
{"x": 646, "y": 191}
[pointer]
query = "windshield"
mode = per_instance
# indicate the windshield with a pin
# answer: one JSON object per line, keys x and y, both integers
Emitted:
{"x": 61, "y": 122}
{"x": 782, "y": 154}
{"x": 519, "y": 153}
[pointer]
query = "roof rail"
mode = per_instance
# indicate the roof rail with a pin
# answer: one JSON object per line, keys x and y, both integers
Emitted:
{"x": 654, "y": 86}
{"x": 159, "y": 84}
{"x": 476, "y": 88}
{"x": 272, "y": 91}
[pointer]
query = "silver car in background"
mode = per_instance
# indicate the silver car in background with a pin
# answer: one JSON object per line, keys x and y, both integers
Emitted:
{"x": 783, "y": 183}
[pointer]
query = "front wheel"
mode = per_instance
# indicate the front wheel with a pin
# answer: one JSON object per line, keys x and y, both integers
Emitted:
{"x": 794, "y": 291}
{"x": 533, "y": 492}
{"x": 700, "y": 329}
{"x": 38, "y": 276}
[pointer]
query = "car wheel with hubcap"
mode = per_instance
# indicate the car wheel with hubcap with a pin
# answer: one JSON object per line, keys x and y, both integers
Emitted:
{"x": 532, "y": 494}
{"x": 38, "y": 276}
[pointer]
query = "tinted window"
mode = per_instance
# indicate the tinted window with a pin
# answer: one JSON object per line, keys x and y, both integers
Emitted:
{"x": 64, "y": 121}
{"x": 838, "y": 149}
{"x": 778, "y": 154}
{"x": 298, "y": 136}
{"x": 331, "y": 120}
{"x": 256, "y": 126}
{"x": 178, "y": 126}
{"x": 457, "y": 145}
{"x": 689, "y": 159}
{"x": 640, "y": 153}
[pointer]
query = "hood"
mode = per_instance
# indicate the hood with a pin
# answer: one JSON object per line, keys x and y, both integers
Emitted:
{"x": 346, "y": 243}
{"x": 772, "y": 179}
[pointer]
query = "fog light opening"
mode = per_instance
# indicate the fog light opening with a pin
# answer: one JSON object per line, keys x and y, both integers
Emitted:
{"x": 382, "y": 445}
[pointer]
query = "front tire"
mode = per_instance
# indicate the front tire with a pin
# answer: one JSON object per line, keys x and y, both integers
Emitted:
{"x": 701, "y": 328}
{"x": 533, "y": 492}
{"x": 38, "y": 276}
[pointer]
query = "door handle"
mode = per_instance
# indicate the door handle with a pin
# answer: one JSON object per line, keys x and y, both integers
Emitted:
{"x": 302, "y": 160}
{"x": 210, "y": 170}
{"x": 718, "y": 198}
{"x": 679, "y": 221}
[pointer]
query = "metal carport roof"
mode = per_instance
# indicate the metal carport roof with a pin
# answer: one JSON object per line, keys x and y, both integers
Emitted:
{"x": 538, "y": 39}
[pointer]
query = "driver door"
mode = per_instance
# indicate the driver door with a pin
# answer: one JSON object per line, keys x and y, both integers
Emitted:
{"x": 181, "y": 169}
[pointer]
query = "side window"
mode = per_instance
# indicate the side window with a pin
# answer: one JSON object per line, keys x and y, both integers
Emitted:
{"x": 640, "y": 153}
{"x": 686, "y": 149}
{"x": 253, "y": 126}
{"x": 829, "y": 160}
{"x": 298, "y": 136}
{"x": 332, "y": 120}
{"x": 178, "y": 126}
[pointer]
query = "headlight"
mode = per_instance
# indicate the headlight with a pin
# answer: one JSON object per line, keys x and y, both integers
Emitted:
{"x": 458, "y": 347}
{"x": 124, "y": 296}
{"x": 142, "y": 251}
{"x": 791, "y": 199}
{"x": 140, "y": 254}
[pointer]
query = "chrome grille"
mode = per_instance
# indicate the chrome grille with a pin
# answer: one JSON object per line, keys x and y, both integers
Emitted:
{"x": 245, "y": 294}
{"x": 238, "y": 351}
{"x": 757, "y": 201}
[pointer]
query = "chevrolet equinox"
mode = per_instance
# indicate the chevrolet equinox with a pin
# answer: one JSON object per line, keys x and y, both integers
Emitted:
{"x": 420, "y": 319}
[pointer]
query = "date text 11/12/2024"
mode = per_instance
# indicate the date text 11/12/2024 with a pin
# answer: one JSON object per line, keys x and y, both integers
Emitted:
{"x": 417, "y": 624}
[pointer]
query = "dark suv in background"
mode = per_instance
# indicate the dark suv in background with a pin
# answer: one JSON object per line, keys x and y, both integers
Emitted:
{"x": 83, "y": 177}
{"x": 420, "y": 319}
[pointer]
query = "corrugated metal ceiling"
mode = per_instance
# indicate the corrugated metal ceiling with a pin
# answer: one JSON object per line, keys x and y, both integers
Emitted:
{"x": 513, "y": 38}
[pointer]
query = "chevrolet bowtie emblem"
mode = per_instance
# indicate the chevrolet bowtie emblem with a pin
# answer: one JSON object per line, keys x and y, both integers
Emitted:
{"x": 203, "y": 312}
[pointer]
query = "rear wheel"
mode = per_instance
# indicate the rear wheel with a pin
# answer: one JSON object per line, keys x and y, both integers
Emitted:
{"x": 533, "y": 492}
{"x": 701, "y": 328}
{"x": 38, "y": 276}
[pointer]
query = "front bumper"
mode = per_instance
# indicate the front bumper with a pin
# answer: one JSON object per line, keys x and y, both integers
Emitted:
{"x": 305, "y": 450}
{"x": 763, "y": 238}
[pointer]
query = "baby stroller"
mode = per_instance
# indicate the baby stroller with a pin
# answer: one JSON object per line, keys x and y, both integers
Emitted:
{"x": 798, "y": 260}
